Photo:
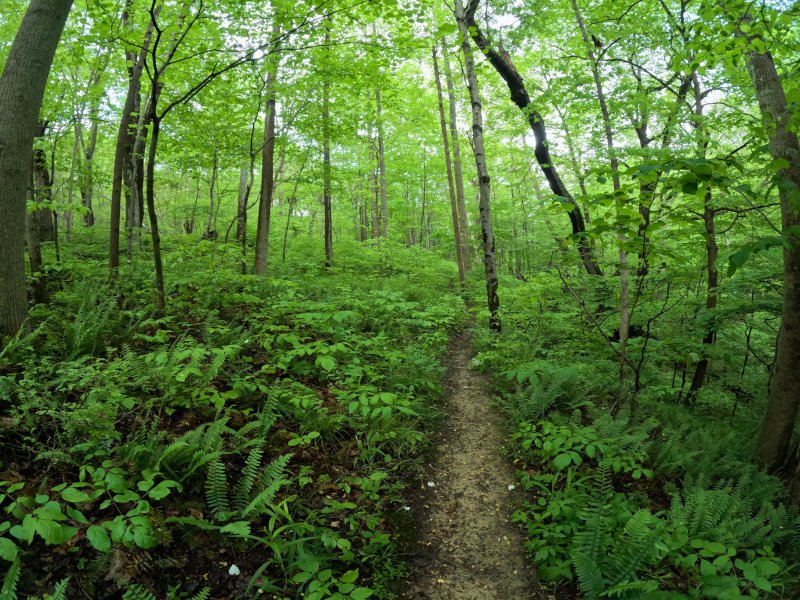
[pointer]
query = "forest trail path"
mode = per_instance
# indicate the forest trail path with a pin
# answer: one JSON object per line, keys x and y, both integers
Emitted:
{"x": 467, "y": 549}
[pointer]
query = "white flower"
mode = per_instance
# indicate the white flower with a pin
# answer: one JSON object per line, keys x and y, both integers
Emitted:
{"x": 234, "y": 571}
{"x": 431, "y": 484}
{"x": 511, "y": 486}
{"x": 406, "y": 508}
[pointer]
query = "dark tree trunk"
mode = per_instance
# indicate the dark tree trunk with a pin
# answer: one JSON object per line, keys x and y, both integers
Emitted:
{"x": 779, "y": 420}
{"x": 502, "y": 63}
{"x": 122, "y": 151}
{"x": 267, "y": 172}
{"x": 22, "y": 86}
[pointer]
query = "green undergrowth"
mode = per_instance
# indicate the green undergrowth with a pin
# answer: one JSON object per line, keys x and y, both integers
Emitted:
{"x": 657, "y": 498}
{"x": 253, "y": 442}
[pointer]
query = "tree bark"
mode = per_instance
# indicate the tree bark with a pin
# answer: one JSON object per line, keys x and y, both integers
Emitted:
{"x": 326, "y": 165}
{"x": 484, "y": 181}
{"x": 267, "y": 170}
{"x": 241, "y": 211}
{"x": 448, "y": 168}
{"x": 776, "y": 429}
{"x": 381, "y": 166}
{"x": 22, "y": 86}
{"x": 502, "y": 63}
{"x": 121, "y": 152}
{"x": 463, "y": 221}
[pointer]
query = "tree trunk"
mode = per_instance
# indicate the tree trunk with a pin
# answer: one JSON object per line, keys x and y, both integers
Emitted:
{"x": 326, "y": 165}
{"x": 448, "y": 168}
{"x": 161, "y": 300}
{"x": 209, "y": 234}
{"x": 121, "y": 152}
{"x": 267, "y": 171}
{"x": 87, "y": 179}
{"x": 241, "y": 211}
{"x": 463, "y": 221}
{"x": 382, "y": 167}
{"x": 711, "y": 298}
{"x": 778, "y": 423}
{"x": 502, "y": 63}
{"x": 373, "y": 199}
{"x": 22, "y": 86}
{"x": 484, "y": 181}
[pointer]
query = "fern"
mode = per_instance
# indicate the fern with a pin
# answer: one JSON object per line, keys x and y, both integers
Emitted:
{"x": 249, "y": 473}
{"x": 59, "y": 591}
{"x": 217, "y": 488}
{"x": 9, "y": 589}
{"x": 737, "y": 513}
{"x": 271, "y": 481}
{"x": 637, "y": 548}
{"x": 138, "y": 592}
{"x": 204, "y": 594}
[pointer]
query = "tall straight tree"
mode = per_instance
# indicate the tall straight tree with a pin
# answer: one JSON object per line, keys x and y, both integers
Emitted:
{"x": 458, "y": 177}
{"x": 267, "y": 167}
{"x": 22, "y": 86}
{"x": 122, "y": 153}
{"x": 381, "y": 166}
{"x": 326, "y": 158}
{"x": 484, "y": 181}
{"x": 449, "y": 170}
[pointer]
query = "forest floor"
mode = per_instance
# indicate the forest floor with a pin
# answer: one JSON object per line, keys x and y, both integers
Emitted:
{"x": 466, "y": 546}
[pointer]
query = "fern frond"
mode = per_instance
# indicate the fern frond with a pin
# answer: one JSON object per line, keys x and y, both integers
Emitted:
{"x": 217, "y": 488}
{"x": 271, "y": 481}
{"x": 9, "y": 589}
{"x": 247, "y": 478}
{"x": 636, "y": 549}
{"x": 204, "y": 594}
{"x": 138, "y": 592}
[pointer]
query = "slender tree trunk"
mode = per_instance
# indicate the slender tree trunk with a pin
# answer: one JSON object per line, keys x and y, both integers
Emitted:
{"x": 502, "y": 63}
{"x": 326, "y": 164}
{"x": 448, "y": 168}
{"x": 121, "y": 154}
{"x": 382, "y": 167}
{"x": 373, "y": 179}
{"x": 212, "y": 188}
{"x": 458, "y": 176}
{"x": 241, "y": 203}
{"x": 712, "y": 252}
{"x": 267, "y": 171}
{"x": 34, "y": 245}
{"x": 87, "y": 180}
{"x": 711, "y": 244}
{"x": 161, "y": 300}
{"x": 779, "y": 420}
{"x": 484, "y": 181}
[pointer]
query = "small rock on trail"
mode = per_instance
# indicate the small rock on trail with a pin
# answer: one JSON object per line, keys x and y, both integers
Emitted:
{"x": 467, "y": 549}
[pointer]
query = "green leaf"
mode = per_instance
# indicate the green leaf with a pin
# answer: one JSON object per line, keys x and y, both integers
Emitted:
{"x": 75, "y": 496}
{"x": 562, "y": 461}
{"x": 98, "y": 538}
{"x": 54, "y": 533}
{"x": 8, "y": 549}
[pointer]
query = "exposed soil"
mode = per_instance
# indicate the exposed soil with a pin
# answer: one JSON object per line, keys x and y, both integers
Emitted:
{"x": 466, "y": 548}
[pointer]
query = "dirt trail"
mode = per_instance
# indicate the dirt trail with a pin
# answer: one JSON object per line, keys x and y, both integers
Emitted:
{"x": 467, "y": 549}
